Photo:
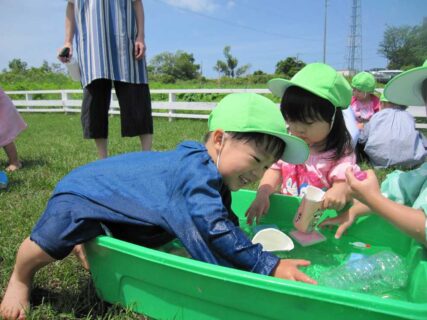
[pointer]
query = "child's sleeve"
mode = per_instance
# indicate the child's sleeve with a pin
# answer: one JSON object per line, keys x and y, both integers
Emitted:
{"x": 209, "y": 235}
{"x": 408, "y": 187}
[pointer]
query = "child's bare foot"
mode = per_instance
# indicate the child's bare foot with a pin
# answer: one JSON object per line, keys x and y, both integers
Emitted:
{"x": 80, "y": 253}
{"x": 16, "y": 300}
{"x": 14, "y": 166}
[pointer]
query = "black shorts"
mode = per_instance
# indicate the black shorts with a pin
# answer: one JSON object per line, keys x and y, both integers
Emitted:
{"x": 135, "y": 108}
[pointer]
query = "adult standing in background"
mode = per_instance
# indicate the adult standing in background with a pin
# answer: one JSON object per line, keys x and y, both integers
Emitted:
{"x": 110, "y": 49}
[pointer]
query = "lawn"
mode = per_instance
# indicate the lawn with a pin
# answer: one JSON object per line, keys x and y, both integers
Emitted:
{"x": 51, "y": 147}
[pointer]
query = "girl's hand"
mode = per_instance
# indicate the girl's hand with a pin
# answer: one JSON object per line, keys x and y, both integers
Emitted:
{"x": 288, "y": 269}
{"x": 336, "y": 197}
{"x": 346, "y": 219}
{"x": 258, "y": 208}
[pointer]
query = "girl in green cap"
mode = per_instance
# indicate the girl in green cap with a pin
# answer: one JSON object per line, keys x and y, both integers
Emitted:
{"x": 312, "y": 103}
{"x": 364, "y": 103}
{"x": 402, "y": 198}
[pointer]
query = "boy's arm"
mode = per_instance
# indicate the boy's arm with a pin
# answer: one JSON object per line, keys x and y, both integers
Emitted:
{"x": 213, "y": 237}
{"x": 409, "y": 220}
{"x": 140, "y": 47}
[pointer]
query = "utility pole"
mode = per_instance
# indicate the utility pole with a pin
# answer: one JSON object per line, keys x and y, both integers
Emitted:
{"x": 324, "y": 31}
{"x": 354, "y": 58}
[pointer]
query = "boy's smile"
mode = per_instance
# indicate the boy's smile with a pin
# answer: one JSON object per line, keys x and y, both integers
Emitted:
{"x": 241, "y": 163}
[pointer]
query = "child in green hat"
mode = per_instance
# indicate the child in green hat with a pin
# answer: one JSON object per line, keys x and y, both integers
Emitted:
{"x": 390, "y": 128}
{"x": 312, "y": 103}
{"x": 151, "y": 198}
{"x": 402, "y": 199}
{"x": 364, "y": 103}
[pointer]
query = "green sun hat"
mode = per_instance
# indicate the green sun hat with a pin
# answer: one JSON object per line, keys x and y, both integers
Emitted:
{"x": 405, "y": 88}
{"x": 251, "y": 112}
{"x": 364, "y": 81}
{"x": 319, "y": 79}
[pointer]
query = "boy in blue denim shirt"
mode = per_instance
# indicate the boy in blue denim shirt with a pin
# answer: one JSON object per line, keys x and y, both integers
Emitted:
{"x": 150, "y": 198}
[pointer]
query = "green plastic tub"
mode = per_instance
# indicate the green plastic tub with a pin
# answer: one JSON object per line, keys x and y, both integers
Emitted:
{"x": 162, "y": 285}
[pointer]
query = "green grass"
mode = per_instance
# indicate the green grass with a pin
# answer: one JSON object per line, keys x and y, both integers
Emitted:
{"x": 51, "y": 147}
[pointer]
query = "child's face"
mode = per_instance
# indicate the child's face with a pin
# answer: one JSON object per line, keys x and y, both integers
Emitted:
{"x": 360, "y": 95}
{"x": 241, "y": 163}
{"x": 311, "y": 132}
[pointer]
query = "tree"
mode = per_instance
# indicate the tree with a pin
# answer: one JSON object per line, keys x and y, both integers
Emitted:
{"x": 17, "y": 66}
{"x": 404, "y": 47}
{"x": 178, "y": 66}
{"x": 228, "y": 67}
{"x": 289, "y": 67}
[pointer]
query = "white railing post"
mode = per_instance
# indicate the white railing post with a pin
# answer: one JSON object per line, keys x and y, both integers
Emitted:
{"x": 28, "y": 97}
{"x": 172, "y": 99}
{"x": 64, "y": 99}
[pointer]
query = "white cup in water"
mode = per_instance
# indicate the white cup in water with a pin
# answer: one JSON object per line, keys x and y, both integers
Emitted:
{"x": 272, "y": 239}
{"x": 309, "y": 209}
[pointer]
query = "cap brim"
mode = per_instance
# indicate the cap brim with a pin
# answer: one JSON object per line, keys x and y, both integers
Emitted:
{"x": 296, "y": 150}
{"x": 405, "y": 88}
{"x": 278, "y": 87}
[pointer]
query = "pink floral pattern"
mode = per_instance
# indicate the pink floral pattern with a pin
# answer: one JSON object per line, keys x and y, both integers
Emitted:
{"x": 318, "y": 171}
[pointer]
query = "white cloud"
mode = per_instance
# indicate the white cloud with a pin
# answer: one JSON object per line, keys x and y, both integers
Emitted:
{"x": 194, "y": 5}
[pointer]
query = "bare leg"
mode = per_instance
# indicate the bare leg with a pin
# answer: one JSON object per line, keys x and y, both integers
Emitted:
{"x": 146, "y": 141}
{"x": 12, "y": 155}
{"x": 29, "y": 260}
{"x": 101, "y": 146}
{"x": 80, "y": 253}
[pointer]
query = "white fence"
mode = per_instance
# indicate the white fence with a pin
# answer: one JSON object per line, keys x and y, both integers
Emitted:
{"x": 65, "y": 101}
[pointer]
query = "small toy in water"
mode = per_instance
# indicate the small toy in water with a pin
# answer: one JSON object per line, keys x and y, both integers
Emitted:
{"x": 361, "y": 175}
{"x": 359, "y": 244}
{"x": 3, "y": 180}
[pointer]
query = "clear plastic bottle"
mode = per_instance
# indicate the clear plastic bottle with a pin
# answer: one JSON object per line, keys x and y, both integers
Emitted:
{"x": 376, "y": 274}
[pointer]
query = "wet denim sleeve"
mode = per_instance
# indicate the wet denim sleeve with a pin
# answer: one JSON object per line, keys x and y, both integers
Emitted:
{"x": 228, "y": 243}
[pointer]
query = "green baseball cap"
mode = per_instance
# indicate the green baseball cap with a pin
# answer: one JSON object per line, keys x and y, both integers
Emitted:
{"x": 405, "y": 88}
{"x": 321, "y": 80}
{"x": 251, "y": 112}
{"x": 364, "y": 81}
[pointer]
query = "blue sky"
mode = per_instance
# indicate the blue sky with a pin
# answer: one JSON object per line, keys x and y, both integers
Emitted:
{"x": 260, "y": 33}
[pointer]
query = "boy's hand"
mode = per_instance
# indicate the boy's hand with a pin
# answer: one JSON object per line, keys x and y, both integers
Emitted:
{"x": 258, "y": 208}
{"x": 336, "y": 197}
{"x": 288, "y": 269}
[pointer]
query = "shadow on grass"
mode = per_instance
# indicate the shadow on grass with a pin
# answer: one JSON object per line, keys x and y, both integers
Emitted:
{"x": 82, "y": 305}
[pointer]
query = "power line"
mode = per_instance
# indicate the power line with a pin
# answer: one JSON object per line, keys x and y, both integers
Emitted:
{"x": 234, "y": 24}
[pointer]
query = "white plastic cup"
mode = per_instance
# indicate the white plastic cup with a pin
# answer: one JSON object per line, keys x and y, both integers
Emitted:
{"x": 309, "y": 209}
{"x": 73, "y": 69}
{"x": 272, "y": 239}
